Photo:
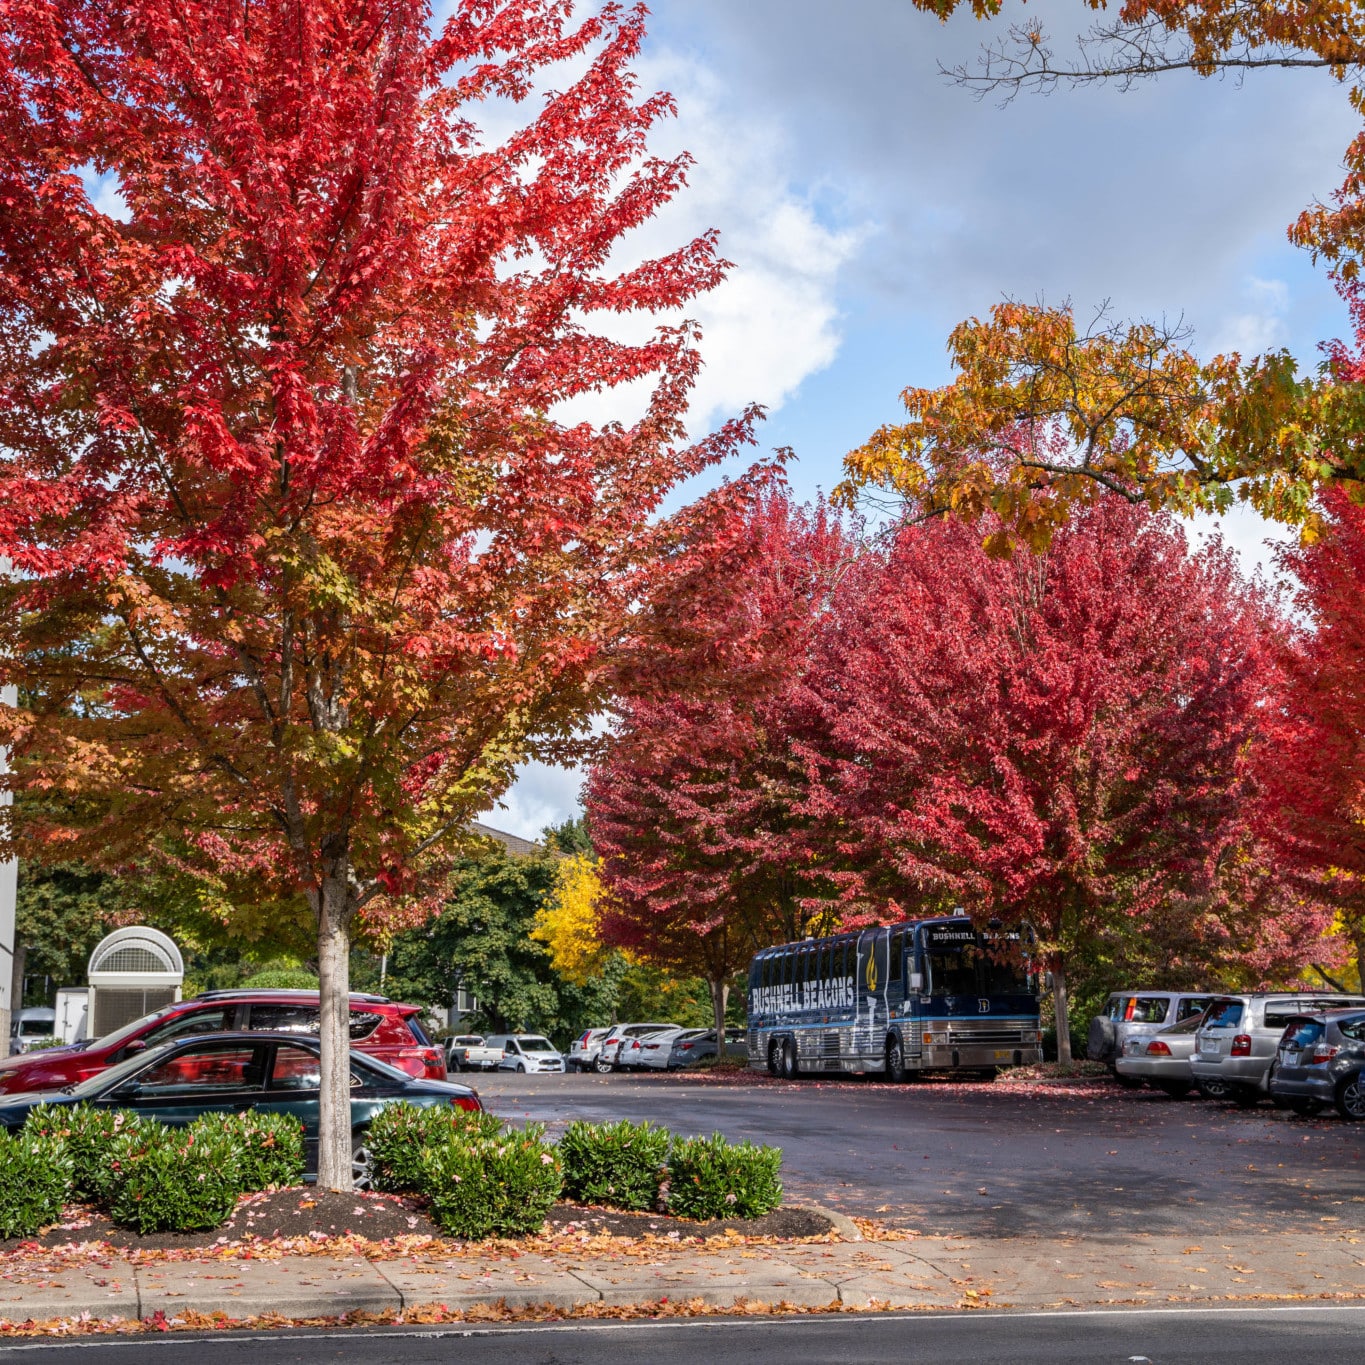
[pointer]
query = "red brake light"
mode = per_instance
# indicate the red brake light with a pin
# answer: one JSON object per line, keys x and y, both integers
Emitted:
{"x": 1156, "y": 1048}
{"x": 1323, "y": 1053}
{"x": 1241, "y": 1045}
{"x": 466, "y": 1102}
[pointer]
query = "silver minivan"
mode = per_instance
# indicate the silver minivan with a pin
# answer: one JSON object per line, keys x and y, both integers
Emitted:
{"x": 1239, "y": 1035}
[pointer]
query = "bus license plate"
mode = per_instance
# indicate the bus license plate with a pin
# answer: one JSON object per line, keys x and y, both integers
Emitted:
{"x": 1004, "y": 1054}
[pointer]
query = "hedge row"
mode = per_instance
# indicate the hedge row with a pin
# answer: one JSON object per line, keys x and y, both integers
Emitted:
{"x": 481, "y": 1180}
{"x": 484, "y": 1182}
{"x": 143, "y": 1174}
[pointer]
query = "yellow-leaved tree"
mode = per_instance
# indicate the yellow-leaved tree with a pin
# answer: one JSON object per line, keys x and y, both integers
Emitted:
{"x": 569, "y": 922}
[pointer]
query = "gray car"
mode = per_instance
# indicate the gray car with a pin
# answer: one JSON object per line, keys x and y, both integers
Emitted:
{"x": 1163, "y": 1060}
{"x": 694, "y": 1045}
{"x": 1240, "y": 1035}
{"x": 1320, "y": 1061}
{"x": 1138, "y": 1014}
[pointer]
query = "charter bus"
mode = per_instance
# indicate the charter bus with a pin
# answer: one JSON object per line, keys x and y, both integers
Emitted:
{"x": 927, "y": 995}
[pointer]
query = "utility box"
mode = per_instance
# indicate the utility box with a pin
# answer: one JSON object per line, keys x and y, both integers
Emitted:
{"x": 73, "y": 1013}
{"x": 132, "y": 972}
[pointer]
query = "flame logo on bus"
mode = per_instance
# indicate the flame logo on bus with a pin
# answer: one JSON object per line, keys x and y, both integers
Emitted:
{"x": 871, "y": 974}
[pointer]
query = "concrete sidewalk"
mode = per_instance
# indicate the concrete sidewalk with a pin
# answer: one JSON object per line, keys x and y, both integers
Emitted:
{"x": 922, "y": 1272}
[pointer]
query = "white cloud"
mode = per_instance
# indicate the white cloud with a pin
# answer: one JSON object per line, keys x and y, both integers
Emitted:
{"x": 1261, "y": 326}
{"x": 774, "y": 320}
{"x": 542, "y": 795}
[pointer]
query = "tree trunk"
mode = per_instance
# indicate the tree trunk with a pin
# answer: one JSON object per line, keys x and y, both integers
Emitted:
{"x": 720, "y": 997}
{"x": 334, "y": 1032}
{"x": 1358, "y": 938}
{"x": 1061, "y": 1009}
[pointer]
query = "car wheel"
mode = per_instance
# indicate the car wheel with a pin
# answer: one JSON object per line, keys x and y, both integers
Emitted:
{"x": 1304, "y": 1106}
{"x": 1214, "y": 1090}
{"x": 602, "y": 1066}
{"x": 791, "y": 1068}
{"x": 1175, "y": 1090}
{"x": 362, "y": 1163}
{"x": 895, "y": 1060}
{"x": 1350, "y": 1101}
{"x": 774, "y": 1059}
{"x": 520, "y": 1068}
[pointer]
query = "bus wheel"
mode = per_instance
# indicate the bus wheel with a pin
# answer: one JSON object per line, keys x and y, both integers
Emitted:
{"x": 790, "y": 1070}
{"x": 895, "y": 1060}
{"x": 774, "y": 1059}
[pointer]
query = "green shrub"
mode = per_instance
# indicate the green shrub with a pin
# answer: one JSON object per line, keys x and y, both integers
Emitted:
{"x": 619, "y": 1164}
{"x": 712, "y": 1178}
{"x": 269, "y": 1146}
{"x": 491, "y": 1186}
{"x": 174, "y": 1180}
{"x": 89, "y": 1134}
{"x": 400, "y": 1133}
{"x": 281, "y": 979}
{"x": 35, "y": 1180}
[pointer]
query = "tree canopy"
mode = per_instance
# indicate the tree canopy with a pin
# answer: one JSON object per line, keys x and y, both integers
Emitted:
{"x": 305, "y": 564}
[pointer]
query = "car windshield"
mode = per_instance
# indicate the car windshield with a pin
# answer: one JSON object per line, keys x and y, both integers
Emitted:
{"x": 1223, "y": 1014}
{"x": 1146, "y": 1009}
{"x": 36, "y": 1027}
{"x": 114, "y": 1075}
{"x": 536, "y": 1045}
{"x": 113, "y": 1040}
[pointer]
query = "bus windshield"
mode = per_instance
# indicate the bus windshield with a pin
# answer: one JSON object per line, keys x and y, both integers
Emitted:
{"x": 962, "y": 964}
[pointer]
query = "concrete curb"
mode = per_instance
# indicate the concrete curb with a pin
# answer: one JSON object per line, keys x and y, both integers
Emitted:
{"x": 840, "y": 1222}
{"x": 922, "y": 1273}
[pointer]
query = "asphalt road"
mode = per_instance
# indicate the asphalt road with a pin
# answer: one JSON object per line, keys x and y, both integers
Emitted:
{"x": 983, "y": 1160}
{"x": 1164, "y": 1337}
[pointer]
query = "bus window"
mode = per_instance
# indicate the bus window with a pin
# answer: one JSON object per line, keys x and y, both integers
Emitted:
{"x": 951, "y": 970}
{"x": 897, "y": 942}
{"x": 1002, "y": 970}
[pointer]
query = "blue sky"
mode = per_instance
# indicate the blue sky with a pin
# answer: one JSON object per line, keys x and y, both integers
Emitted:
{"x": 868, "y": 205}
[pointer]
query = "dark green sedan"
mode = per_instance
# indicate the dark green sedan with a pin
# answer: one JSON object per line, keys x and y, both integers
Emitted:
{"x": 279, "y": 1073}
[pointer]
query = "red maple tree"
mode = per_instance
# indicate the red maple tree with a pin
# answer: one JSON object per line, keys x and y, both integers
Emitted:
{"x": 1313, "y": 766}
{"x": 1060, "y": 738}
{"x": 305, "y": 564}
{"x": 695, "y": 805}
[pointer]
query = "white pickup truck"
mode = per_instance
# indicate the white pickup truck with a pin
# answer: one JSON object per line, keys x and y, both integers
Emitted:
{"x": 466, "y": 1052}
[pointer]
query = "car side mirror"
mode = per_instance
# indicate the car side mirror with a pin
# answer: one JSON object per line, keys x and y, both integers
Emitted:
{"x": 916, "y": 981}
{"x": 129, "y": 1090}
{"x": 137, "y": 1045}
{"x": 1047, "y": 981}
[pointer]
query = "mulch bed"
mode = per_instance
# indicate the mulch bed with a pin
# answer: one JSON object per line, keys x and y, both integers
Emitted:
{"x": 322, "y": 1215}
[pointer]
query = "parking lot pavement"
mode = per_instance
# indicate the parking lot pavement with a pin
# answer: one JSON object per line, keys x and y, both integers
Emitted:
{"x": 1091, "y": 1161}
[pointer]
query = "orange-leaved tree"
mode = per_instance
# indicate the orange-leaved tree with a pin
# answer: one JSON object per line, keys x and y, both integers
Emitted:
{"x": 304, "y": 560}
{"x": 1046, "y": 414}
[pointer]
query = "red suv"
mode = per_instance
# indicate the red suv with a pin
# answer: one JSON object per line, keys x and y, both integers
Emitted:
{"x": 379, "y": 1028}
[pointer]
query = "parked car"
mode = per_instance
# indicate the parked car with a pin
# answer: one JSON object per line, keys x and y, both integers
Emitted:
{"x": 469, "y": 1052}
{"x": 227, "y": 1072}
{"x": 608, "y": 1055}
{"x": 31, "y": 1026}
{"x": 584, "y": 1049}
{"x": 1320, "y": 1060}
{"x": 379, "y": 1027}
{"x": 526, "y": 1052}
{"x": 1163, "y": 1061}
{"x": 1138, "y": 1014}
{"x": 1240, "y": 1035}
{"x": 650, "y": 1050}
{"x": 696, "y": 1044}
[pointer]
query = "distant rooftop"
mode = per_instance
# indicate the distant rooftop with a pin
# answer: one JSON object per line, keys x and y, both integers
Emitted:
{"x": 513, "y": 843}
